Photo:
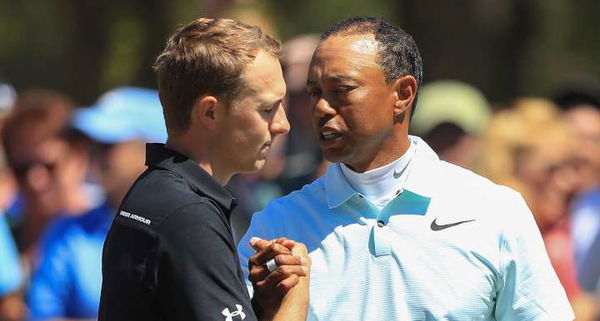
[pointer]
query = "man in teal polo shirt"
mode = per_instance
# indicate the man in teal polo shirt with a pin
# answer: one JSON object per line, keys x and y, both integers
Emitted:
{"x": 393, "y": 232}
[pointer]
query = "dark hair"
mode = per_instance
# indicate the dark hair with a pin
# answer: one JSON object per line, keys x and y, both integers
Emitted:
{"x": 207, "y": 56}
{"x": 398, "y": 55}
{"x": 38, "y": 115}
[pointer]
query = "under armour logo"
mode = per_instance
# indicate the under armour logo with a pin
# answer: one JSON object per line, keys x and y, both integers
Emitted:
{"x": 229, "y": 315}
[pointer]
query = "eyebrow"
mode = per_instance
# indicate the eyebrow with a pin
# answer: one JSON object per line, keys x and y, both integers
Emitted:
{"x": 337, "y": 78}
{"x": 271, "y": 102}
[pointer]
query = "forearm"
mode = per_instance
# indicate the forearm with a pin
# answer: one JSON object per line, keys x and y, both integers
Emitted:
{"x": 293, "y": 306}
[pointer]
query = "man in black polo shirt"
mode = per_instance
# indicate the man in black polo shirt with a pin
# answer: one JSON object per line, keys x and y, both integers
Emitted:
{"x": 170, "y": 254}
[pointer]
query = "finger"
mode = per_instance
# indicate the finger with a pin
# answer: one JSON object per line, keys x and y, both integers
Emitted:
{"x": 299, "y": 249}
{"x": 264, "y": 288}
{"x": 261, "y": 257}
{"x": 286, "y": 285}
{"x": 283, "y": 259}
{"x": 259, "y": 244}
{"x": 260, "y": 272}
{"x": 287, "y": 243}
{"x": 274, "y": 294}
{"x": 284, "y": 272}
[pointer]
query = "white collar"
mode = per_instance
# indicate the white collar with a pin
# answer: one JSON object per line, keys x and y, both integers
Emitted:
{"x": 420, "y": 179}
{"x": 382, "y": 180}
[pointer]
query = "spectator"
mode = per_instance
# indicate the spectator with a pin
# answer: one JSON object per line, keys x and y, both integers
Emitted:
{"x": 8, "y": 188}
{"x": 531, "y": 148}
{"x": 49, "y": 163}
{"x": 68, "y": 282}
{"x": 584, "y": 120}
{"x": 451, "y": 117}
{"x": 11, "y": 278}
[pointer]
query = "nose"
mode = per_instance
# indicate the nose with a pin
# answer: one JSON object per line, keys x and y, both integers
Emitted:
{"x": 322, "y": 108}
{"x": 280, "y": 124}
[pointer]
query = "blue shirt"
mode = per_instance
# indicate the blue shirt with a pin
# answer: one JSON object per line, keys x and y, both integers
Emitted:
{"x": 586, "y": 229}
{"x": 11, "y": 275}
{"x": 68, "y": 281}
{"x": 451, "y": 246}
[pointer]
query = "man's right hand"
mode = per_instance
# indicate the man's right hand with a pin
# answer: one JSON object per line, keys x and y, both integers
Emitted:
{"x": 283, "y": 293}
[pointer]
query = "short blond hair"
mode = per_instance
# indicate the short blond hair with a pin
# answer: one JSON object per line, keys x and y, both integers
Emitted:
{"x": 207, "y": 56}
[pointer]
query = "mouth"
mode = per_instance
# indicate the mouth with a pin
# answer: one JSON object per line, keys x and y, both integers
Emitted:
{"x": 329, "y": 135}
{"x": 264, "y": 151}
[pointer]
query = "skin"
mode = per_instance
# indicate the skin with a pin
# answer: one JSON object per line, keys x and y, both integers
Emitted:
{"x": 228, "y": 138}
{"x": 287, "y": 287}
{"x": 359, "y": 119}
{"x": 225, "y": 139}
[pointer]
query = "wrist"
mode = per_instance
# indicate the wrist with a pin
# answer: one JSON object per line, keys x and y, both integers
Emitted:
{"x": 262, "y": 313}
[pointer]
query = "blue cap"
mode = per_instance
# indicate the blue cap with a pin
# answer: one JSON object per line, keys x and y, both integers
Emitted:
{"x": 123, "y": 114}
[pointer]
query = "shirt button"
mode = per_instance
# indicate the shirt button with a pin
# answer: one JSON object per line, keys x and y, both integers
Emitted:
{"x": 380, "y": 223}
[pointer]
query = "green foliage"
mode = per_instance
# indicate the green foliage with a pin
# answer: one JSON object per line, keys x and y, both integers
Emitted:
{"x": 298, "y": 17}
{"x": 504, "y": 47}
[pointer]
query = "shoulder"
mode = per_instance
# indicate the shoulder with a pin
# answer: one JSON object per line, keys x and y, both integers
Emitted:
{"x": 159, "y": 194}
{"x": 203, "y": 212}
{"x": 196, "y": 228}
{"x": 458, "y": 181}
{"x": 310, "y": 196}
{"x": 461, "y": 192}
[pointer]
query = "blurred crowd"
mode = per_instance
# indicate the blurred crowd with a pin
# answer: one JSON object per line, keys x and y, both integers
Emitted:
{"x": 64, "y": 169}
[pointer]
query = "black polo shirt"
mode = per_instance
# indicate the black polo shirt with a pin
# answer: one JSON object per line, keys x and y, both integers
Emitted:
{"x": 170, "y": 253}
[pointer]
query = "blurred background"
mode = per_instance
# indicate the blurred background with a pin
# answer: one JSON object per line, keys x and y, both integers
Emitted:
{"x": 512, "y": 92}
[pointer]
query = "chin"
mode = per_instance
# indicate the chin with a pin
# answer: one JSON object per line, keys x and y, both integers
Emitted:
{"x": 334, "y": 157}
{"x": 259, "y": 164}
{"x": 253, "y": 167}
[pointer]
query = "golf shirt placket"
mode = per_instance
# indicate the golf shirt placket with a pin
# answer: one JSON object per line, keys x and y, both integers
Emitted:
{"x": 405, "y": 202}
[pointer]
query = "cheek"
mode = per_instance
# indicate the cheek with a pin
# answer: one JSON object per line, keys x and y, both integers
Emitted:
{"x": 364, "y": 122}
{"x": 249, "y": 133}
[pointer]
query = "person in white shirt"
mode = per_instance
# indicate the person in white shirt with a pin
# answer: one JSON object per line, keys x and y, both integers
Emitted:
{"x": 393, "y": 232}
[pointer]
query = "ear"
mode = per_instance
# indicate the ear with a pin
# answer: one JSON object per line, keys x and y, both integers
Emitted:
{"x": 204, "y": 111}
{"x": 405, "y": 90}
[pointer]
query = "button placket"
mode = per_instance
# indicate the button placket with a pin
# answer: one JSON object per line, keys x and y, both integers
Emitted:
{"x": 381, "y": 239}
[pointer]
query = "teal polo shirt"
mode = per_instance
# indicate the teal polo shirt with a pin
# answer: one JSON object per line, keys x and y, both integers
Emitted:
{"x": 451, "y": 246}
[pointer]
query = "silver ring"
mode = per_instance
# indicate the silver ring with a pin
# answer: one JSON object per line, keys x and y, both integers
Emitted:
{"x": 271, "y": 265}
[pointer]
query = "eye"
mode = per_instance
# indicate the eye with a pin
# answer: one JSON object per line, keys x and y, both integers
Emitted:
{"x": 314, "y": 92}
{"x": 343, "y": 89}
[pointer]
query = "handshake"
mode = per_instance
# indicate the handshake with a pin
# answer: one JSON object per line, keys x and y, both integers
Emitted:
{"x": 280, "y": 274}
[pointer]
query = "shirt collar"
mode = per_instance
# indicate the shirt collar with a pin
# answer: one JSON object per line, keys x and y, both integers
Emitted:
{"x": 158, "y": 155}
{"x": 420, "y": 179}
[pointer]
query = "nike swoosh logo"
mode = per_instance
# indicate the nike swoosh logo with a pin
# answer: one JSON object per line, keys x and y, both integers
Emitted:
{"x": 436, "y": 227}
{"x": 397, "y": 173}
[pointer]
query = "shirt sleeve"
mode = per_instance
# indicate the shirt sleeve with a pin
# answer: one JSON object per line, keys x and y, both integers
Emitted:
{"x": 10, "y": 267}
{"x": 530, "y": 290}
{"x": 48, "y": 292}
{"x": 199, "y": 272}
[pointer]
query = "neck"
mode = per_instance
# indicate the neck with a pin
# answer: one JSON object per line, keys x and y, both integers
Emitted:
{"x": 199, "y": 153}
{"x": 388, "y": 151}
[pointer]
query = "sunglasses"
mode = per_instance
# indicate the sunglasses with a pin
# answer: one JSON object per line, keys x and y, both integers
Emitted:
{"x": 21, "y": 170}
